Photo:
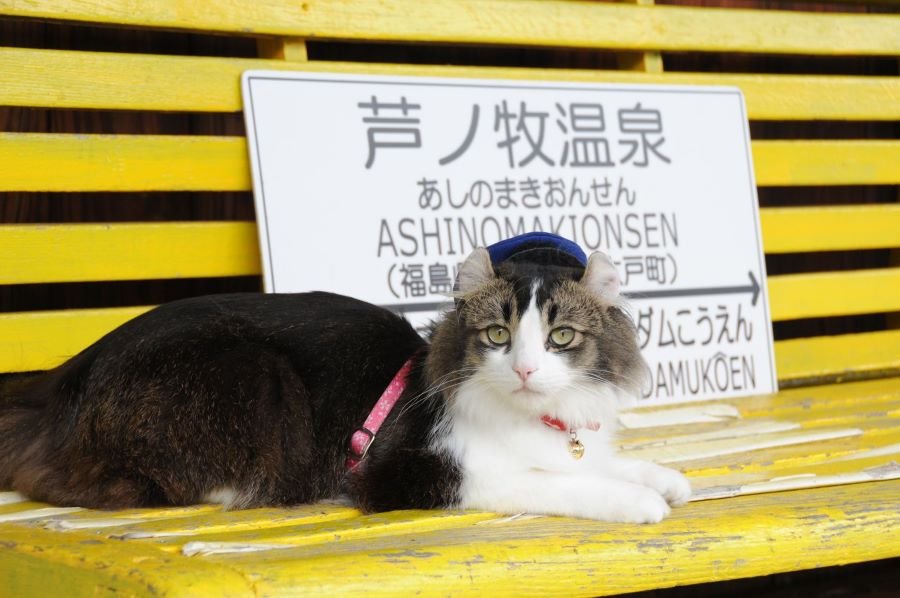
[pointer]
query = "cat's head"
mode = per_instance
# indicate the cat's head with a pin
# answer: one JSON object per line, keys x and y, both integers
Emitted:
{"x": 541, "y": 335}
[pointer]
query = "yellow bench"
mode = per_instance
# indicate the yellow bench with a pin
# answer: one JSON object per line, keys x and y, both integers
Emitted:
{"x": 810, "y": 473}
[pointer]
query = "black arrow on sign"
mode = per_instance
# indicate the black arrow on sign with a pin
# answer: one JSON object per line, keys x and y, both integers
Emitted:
{"x": 753, "y": 288}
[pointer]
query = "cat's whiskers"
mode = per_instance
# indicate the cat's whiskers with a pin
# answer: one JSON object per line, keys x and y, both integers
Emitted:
{"x": 424, "y": 396}
{"x": 445, "y": 382}
{"x": 605, "y": 381}
{"x": 599, "y": 376}
{"x": 417, "y": 400}
{"x": 602, "y": 371}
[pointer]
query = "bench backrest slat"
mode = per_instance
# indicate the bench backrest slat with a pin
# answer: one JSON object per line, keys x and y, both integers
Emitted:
{"x": 824, "y": 294}
{"x": 127, "y": 251}
{"x": 106, "y": 80}
{"x": 832, "y": 228}
{"x": 844, "y": 357}
{"x": 29, "y": 253}
{"x": 553, "y": 23}
{"x": 198, "y": 163}
{"x": 41, "y": 340}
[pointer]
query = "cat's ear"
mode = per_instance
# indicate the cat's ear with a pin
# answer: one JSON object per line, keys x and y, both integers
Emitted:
{"x": 601, "y": 277}
{"x": 475, "y": 271}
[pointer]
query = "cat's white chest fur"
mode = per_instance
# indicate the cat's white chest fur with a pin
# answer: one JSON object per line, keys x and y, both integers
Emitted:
{"x": 513, "y": 463}
{"x": 486, "y": 436}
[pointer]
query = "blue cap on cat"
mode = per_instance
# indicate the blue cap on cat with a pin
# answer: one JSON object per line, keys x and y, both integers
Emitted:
{"x": 518, "y": 245}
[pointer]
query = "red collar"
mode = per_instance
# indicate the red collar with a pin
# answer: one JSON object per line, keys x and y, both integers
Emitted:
{"x": 558, "y": 424}
{"x": 363, "y": 437}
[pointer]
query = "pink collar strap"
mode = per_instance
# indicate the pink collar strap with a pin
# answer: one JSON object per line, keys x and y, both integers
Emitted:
{"x": 363, "y": 437}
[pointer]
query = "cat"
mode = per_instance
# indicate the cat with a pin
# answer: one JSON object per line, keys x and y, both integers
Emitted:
{"x": 250, "y": 399}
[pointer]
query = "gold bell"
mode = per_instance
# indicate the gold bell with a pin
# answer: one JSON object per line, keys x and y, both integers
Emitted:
{"x": 576, "y": 449}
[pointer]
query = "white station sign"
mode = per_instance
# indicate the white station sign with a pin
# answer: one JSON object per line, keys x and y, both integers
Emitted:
{"x": 378, "y": 186}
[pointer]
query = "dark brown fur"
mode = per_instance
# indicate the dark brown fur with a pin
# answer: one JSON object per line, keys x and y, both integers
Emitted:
{"x": 251, "y": 392}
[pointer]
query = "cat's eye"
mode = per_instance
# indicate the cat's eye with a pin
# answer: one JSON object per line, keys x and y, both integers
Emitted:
{"x": 560, "y": 337}
{"x": 498, "y": 335}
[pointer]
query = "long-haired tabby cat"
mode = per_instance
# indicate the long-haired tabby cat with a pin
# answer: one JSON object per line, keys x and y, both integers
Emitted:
{"x": 250, "y": 400}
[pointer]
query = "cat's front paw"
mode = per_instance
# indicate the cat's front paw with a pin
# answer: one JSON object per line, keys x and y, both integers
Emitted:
{"x": 671, "y": 484}
{"x": 646, "y": 506}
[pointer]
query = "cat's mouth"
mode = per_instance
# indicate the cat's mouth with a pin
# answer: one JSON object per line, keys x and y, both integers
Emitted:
{"x": 526, "y": 390}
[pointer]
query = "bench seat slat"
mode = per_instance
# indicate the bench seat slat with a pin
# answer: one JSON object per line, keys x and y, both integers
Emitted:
{"x": 199, "y": 163}
{"x": 116, "y": 81}
{"x": 791, "y": 403}
{"x": 706, "y": 541}
{"x": 551, "y": 23}
{"x": 869, "y": 411}
{"x": 832, "y": 456}
{"x": 46, "y": 561}
{"x": 31, "y": 341}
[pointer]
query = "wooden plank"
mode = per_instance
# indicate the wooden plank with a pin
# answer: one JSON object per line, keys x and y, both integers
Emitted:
{"x": 31, "y": 253}
{"x": 830, "y": 228}
{"x": 117, "y": 81}
{"x": 845, "y": 356}
{"x": 851, "y": 404}
{"x": 219, "y": 521}
{"x": 785, "y": 457}
{"x": 822, "y": 294}
{"x": 379, "y": 525}
{"x": 742, "y": 536}
{"x": 789, "y": 163}
{"x": 650, "y": 62}
{"x": 707, "y": 449}
{"x": 775, "y": 479}
{"x": 552, "y": 23}
{"x": 131, "y": 251}
{"x": 793, "y": 401}
{"x": 171, "y": 163}
{"x": 475, "y": 553}
{"x": 122, "y": 163}
{"x": 34, "y": 340}
{"x": 36, "y": 562}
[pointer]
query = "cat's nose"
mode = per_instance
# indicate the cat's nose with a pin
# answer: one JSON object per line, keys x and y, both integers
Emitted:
{"x": 524, "y": 371}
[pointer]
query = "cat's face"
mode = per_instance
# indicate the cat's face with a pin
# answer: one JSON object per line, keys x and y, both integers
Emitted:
{"x": 544, "y": 340}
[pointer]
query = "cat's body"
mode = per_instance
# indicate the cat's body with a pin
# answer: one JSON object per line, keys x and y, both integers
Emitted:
{"x": 250, "y": 400}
